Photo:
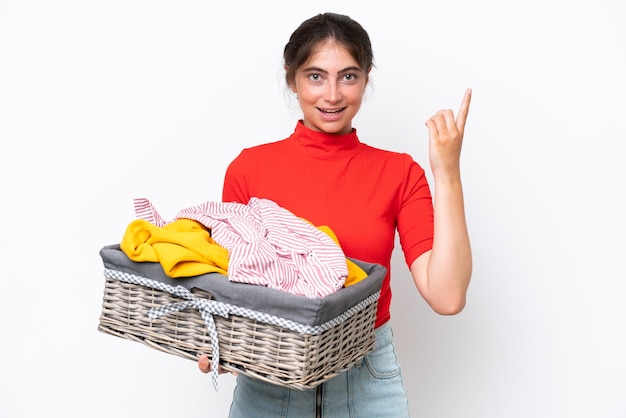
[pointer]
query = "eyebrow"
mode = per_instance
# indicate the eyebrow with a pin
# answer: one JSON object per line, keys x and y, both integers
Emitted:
{"x": 345, "y": 70}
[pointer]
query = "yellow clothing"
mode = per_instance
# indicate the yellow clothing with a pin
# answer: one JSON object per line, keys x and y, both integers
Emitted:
{"x": 184, "y": 247}
{"x": 355, "y": 273}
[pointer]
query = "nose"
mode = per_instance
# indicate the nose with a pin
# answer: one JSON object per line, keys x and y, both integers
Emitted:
{"x": 333, "y": 92}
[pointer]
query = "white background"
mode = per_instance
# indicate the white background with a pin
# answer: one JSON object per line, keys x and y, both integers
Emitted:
{"x": 104, "y": 101}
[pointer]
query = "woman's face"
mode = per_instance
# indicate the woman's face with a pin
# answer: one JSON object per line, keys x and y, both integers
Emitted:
{"x": 330, "y": 88}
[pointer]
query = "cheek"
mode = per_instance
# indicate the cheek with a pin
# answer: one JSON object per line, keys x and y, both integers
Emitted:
{"x": 356, "y": 97}
{"x": 306, "y": 94}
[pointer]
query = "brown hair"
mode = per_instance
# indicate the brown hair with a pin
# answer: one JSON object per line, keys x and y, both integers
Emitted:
{"x": 323, "y": 27}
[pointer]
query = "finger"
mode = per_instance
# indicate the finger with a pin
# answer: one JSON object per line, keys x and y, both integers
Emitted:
{"x": 464, "y": 110}
{"x": 204, "y": 364}
{"x": 432, "y": 127}
{"x": 445, "y": 118}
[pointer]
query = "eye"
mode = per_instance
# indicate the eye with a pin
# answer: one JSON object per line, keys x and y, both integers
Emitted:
{"x": 350, "y": 77}
{"x": 315, "y": 77}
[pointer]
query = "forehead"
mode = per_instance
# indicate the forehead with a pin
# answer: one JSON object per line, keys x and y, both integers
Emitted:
{"x": 330, "y": 55}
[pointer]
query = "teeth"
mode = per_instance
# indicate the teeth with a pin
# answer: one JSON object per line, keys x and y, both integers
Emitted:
{"x": 332, "y": 111}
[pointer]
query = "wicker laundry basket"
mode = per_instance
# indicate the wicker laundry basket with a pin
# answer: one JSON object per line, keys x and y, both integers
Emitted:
{"x": 280, "y": 338}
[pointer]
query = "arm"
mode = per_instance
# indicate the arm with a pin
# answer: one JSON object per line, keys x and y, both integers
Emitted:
{"x": 442, "y": 275}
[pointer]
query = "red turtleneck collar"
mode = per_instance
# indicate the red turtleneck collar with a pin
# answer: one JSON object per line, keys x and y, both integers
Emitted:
{"x": 322, "y": 144}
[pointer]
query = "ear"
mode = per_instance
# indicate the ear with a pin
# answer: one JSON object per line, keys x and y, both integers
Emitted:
{"x": 291, "y": 84}
{"x": 368, "y": 75}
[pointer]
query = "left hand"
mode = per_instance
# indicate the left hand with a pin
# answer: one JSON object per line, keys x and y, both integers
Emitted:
{"x": 204, "y": 364}
{"x": 446, "y": 138}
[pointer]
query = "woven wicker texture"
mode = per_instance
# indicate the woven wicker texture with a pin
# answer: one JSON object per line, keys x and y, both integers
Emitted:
{"x": 263, "y": 351}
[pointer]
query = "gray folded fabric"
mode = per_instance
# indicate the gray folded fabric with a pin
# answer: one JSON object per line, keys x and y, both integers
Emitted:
{"x": 300, "y": 309}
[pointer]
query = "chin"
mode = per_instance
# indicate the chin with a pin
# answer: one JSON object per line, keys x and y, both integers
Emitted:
{"x": 333, "y": 128}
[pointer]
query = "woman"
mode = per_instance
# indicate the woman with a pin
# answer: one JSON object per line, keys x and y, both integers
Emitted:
{"x": 323, "y": 173}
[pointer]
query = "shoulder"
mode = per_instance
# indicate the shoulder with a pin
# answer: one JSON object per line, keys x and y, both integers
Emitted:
{"x": 398, "y": 159}
{"x": 262, "y": 152}
{"x": 384, "y": 152}
{"x": 268, "y": 147}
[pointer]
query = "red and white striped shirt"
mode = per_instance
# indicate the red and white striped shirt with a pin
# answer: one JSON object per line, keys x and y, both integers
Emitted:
{"x": 267, "y": 244}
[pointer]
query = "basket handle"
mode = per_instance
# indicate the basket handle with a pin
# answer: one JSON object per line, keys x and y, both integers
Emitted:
{"x": 207, "y": 309}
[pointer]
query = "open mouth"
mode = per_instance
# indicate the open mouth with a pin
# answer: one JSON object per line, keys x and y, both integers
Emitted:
{"x": 331, "y": 111}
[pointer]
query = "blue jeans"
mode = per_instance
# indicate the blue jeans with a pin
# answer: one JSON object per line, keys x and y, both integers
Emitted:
{"x": 372, "y": 388}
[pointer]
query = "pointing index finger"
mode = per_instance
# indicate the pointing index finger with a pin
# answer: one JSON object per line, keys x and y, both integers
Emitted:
{"x": 464, "y": 110}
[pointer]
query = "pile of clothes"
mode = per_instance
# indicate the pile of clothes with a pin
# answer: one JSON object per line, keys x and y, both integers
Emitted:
{"x": 257, "y": 243}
